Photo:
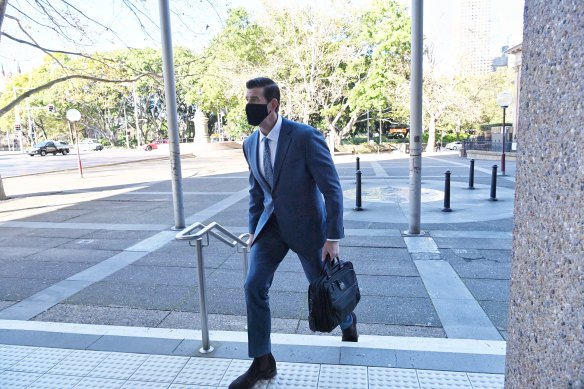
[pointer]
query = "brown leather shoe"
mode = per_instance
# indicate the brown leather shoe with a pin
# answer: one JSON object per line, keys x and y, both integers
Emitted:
{"x": 351, "y": 334}
{"x": 262, "y": 368}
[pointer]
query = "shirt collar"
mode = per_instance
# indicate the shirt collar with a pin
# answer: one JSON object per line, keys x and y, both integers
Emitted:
{"x": 275, "y": 132}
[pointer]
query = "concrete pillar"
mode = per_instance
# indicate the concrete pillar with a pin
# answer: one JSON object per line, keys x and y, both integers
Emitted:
{"x": 545, "y": 346}
{"x": 201, "y": 127}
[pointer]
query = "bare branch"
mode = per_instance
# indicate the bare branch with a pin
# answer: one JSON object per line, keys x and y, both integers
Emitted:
{"x": 33, "y": 20}
{"x": 46, "y": 51}
{"x": 95, "y": 21}
{"x": 52, "y": 19}
{"x": 135, "y": 11}
{"x": 49, "y": 84}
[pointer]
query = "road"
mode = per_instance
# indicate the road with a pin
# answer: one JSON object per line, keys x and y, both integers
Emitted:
{"x": 16, "y": 164}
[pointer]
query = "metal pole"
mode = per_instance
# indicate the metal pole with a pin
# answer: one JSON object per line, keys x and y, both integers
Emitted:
{"x": 471, "y": 175}
{"x": 416, "y": 120}
{"x": 380, "y": 140}
{"x": 446, "y": 192}
{"x": 30, "y": 123}
{"x": 358, "y": 204}
{"x": 126, "y": 122}
{"x": 203, "y": 299}
{"x": 171, "y": 115}
{"x": 368, "y": 134}
{"x": 358, "y": 163}
{"x": 136, "y": 115}
{"x": 503, "y": 144}
{"x": 78, "y": 152}
{"x": 494, "y": 184}
{"x": 245, "y": 263}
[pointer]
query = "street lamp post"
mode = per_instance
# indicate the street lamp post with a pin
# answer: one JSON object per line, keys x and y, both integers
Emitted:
{"x": 73, "y": 116}
{"x": 504, "y": 100}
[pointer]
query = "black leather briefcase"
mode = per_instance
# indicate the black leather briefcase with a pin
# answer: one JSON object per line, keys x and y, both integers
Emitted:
{"x": 332, "y": 296}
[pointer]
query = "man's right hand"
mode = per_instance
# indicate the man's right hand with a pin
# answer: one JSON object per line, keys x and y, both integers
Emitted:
{"x": 249, "y": 240}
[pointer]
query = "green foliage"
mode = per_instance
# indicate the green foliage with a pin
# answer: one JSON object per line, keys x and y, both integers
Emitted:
{"x": 334, "y": 66}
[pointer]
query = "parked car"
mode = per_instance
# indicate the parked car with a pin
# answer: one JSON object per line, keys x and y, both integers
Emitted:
{"x": 155, "y": 144}
{"x": 48, "y": 146}
{"x": 90, "y": 145}
{"x": 454, "y": 145}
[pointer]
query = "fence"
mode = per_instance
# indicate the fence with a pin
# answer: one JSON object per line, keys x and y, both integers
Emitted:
{"x": 486, "y": 145}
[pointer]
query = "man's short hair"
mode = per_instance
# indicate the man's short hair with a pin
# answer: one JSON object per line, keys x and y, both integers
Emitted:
{"x": 271, "y": 89}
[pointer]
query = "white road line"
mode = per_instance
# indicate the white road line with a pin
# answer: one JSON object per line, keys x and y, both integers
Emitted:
{"x": 480, "y": 169}
{"x": 460, "y": 314}
{"x": 378, "y": 169}
{"x": 85, "y": 226}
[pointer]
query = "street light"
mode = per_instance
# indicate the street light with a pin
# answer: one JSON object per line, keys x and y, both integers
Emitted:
{"x": 504, "y": 99}
{"x": 73, "y": 116}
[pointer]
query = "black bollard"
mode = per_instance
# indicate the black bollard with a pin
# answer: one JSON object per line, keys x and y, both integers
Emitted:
{"x": 471, "y": 175}
{"x": 494, "y": 184}
{"x": 358, "y": 192}
{"x": 447, "y": 192}
{"x": 358, "y": 164}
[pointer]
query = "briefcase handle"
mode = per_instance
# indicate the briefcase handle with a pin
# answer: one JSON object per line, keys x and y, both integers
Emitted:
{"x": 329, "y": 264}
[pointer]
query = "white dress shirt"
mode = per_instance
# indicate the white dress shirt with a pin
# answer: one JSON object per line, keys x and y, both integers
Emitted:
{"x": 273, "y": 139}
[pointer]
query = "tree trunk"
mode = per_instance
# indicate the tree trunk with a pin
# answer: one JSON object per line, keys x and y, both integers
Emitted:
{"x": 2, "y": 194}
{"x": 430, "y": 147}
{"x": 3, "y": 4}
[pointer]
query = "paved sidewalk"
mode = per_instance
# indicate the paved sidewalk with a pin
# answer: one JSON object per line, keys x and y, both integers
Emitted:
{"x": 44, "y": 368}
{"x": 92, "y": 265}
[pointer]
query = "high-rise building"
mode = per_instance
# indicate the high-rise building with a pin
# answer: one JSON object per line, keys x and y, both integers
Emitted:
{"x": 475, "y": 31}
{"x": 465, "y": 36}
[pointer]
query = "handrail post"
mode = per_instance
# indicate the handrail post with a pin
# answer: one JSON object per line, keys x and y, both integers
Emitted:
{"x": 244, "y": 250}
{"x": 207, "y": 348}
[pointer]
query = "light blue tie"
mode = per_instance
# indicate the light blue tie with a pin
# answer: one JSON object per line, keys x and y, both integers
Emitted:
{"x": 268, "y": 170}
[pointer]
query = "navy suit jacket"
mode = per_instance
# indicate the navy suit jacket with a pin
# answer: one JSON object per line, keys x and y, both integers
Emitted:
{"x": 306, "y": 197}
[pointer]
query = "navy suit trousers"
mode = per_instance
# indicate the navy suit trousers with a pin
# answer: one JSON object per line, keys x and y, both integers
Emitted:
{"x": 267, "y": 251}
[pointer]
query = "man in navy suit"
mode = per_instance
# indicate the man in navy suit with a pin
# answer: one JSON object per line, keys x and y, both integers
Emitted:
{"x": 295, "y": 203}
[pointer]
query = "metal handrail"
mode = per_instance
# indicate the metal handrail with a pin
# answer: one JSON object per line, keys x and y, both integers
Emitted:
{"x": 225, "y": 236}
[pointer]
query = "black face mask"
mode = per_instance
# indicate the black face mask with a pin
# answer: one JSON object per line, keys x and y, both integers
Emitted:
{"x": 256, "y": 113}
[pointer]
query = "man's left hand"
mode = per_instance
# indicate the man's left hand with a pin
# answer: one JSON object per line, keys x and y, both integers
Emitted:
{"x": 331, "y": 248}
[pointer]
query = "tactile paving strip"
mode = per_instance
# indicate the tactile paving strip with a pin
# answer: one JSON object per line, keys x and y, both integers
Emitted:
{"x": 49, "y": 381}
{"x": 345, "y": 376}
{"x": 236, "y": 368}
{"x": 119, "y": 366}
{"x": 433, "y": 379}
{"x": 392, "y": 378}
{"x": 159, "y": 368}
{"x": 486, "y": 381}
{"x": 145, "y": 385}
{"x": 79, "y": 362}
{"x": 203, "y": 371}
{"x": 17, "y": 379}
{"x": 295, "y": 376}
{"x": 99, "y": 383}
{"x": 11, "y": 355}
{"x": 41, "y": 360}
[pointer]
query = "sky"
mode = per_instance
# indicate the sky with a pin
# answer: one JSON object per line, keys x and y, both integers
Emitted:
{"x": 195, "y": 22}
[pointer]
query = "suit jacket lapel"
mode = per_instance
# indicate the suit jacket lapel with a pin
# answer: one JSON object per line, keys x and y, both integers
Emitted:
{"x": 283, "y": 145}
